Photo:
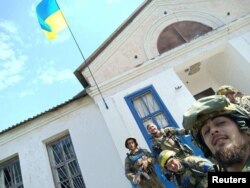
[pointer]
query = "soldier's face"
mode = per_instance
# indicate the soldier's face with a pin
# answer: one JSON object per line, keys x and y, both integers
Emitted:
{"x": 152, "y": 128}
{"x": 173, "y": 164}
{"x": 131, "y": 145}
{"x": 230, "y": 96}
{"x": 223, "y": 138}
{"x": 220, "y": 132}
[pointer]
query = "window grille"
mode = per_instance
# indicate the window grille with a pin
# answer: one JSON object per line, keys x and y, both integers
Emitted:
{"x": 64, "y": 164}
{"x": 147, "y": 107}
{"x": 148, "y": 110}
{"x": 10, "y": 174}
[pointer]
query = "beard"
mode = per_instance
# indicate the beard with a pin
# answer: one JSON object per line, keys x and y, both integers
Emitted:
{"x": 231, "y": 155}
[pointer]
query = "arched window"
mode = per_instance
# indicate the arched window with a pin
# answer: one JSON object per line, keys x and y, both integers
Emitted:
{"x": 179, "y": 33}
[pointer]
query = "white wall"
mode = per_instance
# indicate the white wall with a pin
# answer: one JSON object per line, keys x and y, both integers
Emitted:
{"x": 232, "y": 67}
{"x": 239, "y": 62}
{"x": 97, "y": 156}
{"x": 229, "y": 66}
{"x": 119, "y": 118}
{"x": 199, "y": 81}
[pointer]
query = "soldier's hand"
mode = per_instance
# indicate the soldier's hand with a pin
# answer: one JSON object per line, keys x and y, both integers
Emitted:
{"x": 139, "y": 162}
{"x": 144, "y": 164}
{"x": 137, "y": 180}
{"x": 169, "y": 132}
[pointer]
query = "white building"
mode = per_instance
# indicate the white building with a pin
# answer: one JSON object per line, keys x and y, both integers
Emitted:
{"x": 149, "y": 69}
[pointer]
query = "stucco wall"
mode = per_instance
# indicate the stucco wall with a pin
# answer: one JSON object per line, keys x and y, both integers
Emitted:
{"x": 140, "y": 37}
{"x": 98, "y": 159}
{"x": 233, "y": 65}
{"x": 119, "y": 119}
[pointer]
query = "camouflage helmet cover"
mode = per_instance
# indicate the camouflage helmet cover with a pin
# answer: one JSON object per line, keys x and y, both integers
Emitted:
{"x": 223, "y": 90}
{"x": 201, "y": 107}
{"x": 206, "y": 108}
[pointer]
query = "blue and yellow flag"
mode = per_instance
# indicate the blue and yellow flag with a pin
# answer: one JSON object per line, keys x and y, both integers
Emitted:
{"x": 50, "y": 18}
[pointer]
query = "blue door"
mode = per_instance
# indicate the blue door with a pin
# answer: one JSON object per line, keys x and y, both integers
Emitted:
{"x": 147, "y": 106}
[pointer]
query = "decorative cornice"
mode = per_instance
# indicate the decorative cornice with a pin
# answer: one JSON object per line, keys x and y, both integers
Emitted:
{"x": 157, "y": 27}
{"x": 223, "y": 33}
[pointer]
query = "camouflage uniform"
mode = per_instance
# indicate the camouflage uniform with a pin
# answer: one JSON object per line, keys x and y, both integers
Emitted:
{"x": 211, "y": 107}
{"x": 240, "y": 99}
{"x": 247, "y": 166}
{"x": 244, "y": 102}
{"x": 192, "y": 173}
{"x": 131, "y": 169}
{"x": 168, "y": 141}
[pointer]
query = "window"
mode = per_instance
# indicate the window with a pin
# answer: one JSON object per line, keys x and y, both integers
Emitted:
{"x": 179, "y": 33}
{"x": 146, "y": 106}
{"x": 10, "y": 174}
{"x": 64, "y": 164}
{"x": 148, "y": 110}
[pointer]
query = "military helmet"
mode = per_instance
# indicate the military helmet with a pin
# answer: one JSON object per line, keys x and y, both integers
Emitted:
{"x": 130, "y": 138}
{"x": 223, "y": 90}
{"x": 164, "y": 156}
{"x": 211, "y": 107}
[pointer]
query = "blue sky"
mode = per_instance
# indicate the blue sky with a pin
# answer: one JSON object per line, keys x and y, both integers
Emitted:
{"x": 37, "y": 74}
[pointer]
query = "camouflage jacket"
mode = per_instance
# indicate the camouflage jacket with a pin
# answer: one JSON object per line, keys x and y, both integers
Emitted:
{"x": 168, "y": 141}
{"x": 247, "y": 166}
{"x": 193, "y": 173}
{"x": 132, "y": 168}
{"x": 131, "y": 165}
{"x": 244, "y": 102}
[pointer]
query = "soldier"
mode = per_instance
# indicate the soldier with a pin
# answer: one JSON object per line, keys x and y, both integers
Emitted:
{"x": 189, "y": 172}
{"x": 222, "y": 130}
{"x": 139, "y": 166}
{"x": 235, "y": 96}
{"x": 166, "y": 139}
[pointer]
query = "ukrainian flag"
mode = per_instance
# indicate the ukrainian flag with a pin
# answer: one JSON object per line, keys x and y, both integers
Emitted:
{"x": 50, "y": 18}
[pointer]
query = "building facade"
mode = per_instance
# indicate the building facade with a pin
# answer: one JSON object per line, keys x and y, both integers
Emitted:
{"x": 164, "y": 56}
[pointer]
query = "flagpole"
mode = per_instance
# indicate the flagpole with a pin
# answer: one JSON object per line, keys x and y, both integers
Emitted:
{"x": 84, "y": 60}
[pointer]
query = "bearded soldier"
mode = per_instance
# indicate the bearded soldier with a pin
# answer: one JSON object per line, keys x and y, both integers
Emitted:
{"x": 167, "y": 139}
{"x": 222, "y": 130}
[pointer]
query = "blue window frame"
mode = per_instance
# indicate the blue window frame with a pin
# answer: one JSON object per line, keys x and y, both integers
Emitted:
{"x": 147, "y": 106}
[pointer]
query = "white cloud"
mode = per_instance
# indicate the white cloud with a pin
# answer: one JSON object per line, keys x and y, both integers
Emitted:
{"x": 4, "y": 37}
{"x": 8, "y": 26}
{"x": 12, "y": 64}
{"x": 32, "y": 11}
{"x": 26, "y": 93}
{"x": 10, "y": 72}
{"x": 6, "y": 51}
{"x": 50, "y": 75}
{"x": 15, "y": 66}
{"x": 8, "y": 80}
